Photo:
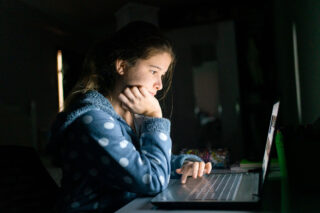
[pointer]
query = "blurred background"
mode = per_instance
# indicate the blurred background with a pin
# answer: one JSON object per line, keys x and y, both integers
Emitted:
{"x": 235, "y": 60}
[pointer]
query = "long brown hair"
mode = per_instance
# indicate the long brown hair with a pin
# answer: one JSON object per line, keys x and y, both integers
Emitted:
{"x": 136, "y": 40}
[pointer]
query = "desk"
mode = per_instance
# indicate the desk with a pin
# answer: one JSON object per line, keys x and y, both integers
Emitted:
{"x": 143, "y": 205}
{"x": 271, "y": 201}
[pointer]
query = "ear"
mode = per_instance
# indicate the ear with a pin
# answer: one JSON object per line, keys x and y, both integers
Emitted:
{"x": 120, "y": 66}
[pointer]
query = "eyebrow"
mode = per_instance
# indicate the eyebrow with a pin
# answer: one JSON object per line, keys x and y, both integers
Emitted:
{"x": 159, "y": 68}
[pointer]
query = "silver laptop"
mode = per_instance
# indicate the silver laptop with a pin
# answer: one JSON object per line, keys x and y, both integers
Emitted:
{"x": 224, "y": 189}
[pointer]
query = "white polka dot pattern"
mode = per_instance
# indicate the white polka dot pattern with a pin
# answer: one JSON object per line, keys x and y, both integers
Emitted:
{"x": 124, "y": 162}
{"x": 87, "y": 119}
{"x": 163, "y": 136}
{"x": 123, "y": 144}
{"x": 115, "y": 141}
{"x": 103, "y": 141}
{"x": 146, "y": 179}
{"x": 108, "y": 125}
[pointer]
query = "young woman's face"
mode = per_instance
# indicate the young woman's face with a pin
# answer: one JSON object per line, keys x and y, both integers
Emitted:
{"x": 148, "y": 72}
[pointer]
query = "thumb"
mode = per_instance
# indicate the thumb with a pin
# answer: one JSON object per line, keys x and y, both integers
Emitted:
{"x": 178, "y": 171}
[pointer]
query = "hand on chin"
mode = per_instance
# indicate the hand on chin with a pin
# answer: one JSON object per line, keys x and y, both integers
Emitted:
{"x": 139, "y": 100}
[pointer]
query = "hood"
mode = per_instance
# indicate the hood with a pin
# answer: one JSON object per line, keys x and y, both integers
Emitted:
{"x": 82, "y": 104}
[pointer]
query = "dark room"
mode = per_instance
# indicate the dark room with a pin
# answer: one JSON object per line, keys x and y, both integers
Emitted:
{"x": 195, "y": 97}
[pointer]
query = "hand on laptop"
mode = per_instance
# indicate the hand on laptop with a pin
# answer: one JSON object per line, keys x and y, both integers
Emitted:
{"x": 194, "y": 169}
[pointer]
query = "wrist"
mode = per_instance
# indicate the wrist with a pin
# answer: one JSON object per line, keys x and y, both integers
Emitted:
{"x": 155, "y": 114}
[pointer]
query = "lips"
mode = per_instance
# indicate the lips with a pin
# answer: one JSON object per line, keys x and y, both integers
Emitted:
{"x": 152, "y": 93}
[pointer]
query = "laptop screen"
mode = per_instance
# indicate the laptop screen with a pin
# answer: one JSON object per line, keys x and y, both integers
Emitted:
{"x": 267, "y": 150}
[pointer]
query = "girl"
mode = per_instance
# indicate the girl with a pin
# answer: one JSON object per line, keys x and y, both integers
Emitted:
{"x": 111, "y": 139}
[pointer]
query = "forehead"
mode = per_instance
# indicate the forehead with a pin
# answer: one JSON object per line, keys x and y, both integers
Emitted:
{"x": 162, "y": 60}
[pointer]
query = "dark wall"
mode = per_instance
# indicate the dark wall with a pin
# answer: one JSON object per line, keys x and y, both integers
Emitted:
{"x": 29, "y": 41}
{"x": 307, "y": 19}
{"x": 305, "y": 16}
{"x": 28, "y": 68}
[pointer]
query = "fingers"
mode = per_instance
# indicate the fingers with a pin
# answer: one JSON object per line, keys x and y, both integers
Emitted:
{"x": 195, "y": 168}
{"x": 184, "y": 177}
{"x": 185, "y": 171}
{"x": 208, "y": 167}
{"x": 143, "y": 91}
{"x": 136, "y": 92}
{"x": 125, "y": 101}
{"x": 201, "y": 168}
{"x": 128, "y": 93}
{"x": 129, "y": 97}
{"x": 133, "y": 94}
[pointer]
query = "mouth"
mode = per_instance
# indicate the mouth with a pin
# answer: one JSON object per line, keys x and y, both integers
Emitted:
{"x": 152, "y": 93}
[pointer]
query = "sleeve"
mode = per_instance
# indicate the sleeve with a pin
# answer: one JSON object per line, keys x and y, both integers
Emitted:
{"x": 178, "y": 160}
{"x": 144, "y": 171}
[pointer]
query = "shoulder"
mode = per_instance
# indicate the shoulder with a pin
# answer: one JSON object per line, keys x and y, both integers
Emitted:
{"x": 98, "y": 121}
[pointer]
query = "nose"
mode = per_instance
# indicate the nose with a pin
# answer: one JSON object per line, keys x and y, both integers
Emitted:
{"x": 158, "y": 84}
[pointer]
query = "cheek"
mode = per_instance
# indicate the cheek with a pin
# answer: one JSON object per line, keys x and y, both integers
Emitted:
{"x": 138, "y": 76}
{"x": 135, "y": 78}
{"x": 139, "y": 80}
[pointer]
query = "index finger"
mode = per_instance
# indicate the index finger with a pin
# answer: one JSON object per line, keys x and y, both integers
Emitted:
{"x": 184, "y": 177}
{"x": 136, "y": 92}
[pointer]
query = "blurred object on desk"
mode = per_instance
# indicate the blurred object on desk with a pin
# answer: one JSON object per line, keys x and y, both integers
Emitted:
{"x": 218, "y": 157}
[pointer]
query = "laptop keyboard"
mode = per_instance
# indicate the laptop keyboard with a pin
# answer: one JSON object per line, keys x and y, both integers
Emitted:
{"x": 218, "y": 187}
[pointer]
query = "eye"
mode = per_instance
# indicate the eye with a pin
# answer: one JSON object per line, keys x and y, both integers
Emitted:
{"x": 153, "y": 72}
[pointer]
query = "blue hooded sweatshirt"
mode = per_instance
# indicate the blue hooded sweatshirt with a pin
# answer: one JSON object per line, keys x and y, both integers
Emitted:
{"x": 105, "y": 163}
